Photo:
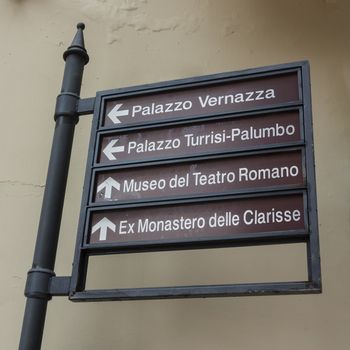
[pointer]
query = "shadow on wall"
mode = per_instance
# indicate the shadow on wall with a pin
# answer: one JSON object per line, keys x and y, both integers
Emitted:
{"x": 303, "y": 25}
{"x": 17, "y": 2}
{"x": 20, "y": 2}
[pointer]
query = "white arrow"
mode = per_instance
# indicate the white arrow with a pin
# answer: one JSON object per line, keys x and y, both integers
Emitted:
{"x": 115, "y": 113}
{"x": 103, "y": 225}
{"x": 110, "y": 149}
{"x": 107, "y": 185}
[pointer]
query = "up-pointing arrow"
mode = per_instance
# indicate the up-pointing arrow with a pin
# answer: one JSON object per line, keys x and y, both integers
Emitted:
{"x": 110, "y": 149}
{"x": 108, "y": 185}
{"x": 102, "y": 226}
{"x": 115, "y": 113}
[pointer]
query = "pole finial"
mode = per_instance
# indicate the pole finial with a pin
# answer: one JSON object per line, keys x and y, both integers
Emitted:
{"x": 78, "y": 45}
{"x": 81, "y": 26}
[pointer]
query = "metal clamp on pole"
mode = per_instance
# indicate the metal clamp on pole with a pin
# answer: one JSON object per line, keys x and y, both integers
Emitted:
{"x": 38, "y": 283}
{"x": 67, "y": 106}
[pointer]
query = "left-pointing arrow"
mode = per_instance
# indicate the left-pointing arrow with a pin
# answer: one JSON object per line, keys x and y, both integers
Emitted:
{"x": 110, "y": 149}
{"x": 108, "y": 185}
{"x": 116, "y": 112}
{"x": 102, "y": 226}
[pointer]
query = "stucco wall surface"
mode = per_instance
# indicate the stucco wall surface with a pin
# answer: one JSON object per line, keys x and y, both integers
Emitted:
{"x": 144, "y": 41}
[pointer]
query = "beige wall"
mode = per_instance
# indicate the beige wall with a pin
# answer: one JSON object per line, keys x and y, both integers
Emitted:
{"x": 136, "y": 42}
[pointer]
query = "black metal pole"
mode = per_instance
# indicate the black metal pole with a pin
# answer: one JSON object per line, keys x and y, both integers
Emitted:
{"x": 66, "y": 117}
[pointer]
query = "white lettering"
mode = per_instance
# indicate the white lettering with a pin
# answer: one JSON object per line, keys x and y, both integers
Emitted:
{"x": 256, "y": 217}
{"x": 245, "y": 174}
{"x": 152, "y": 146}
{"x": 240, "y": 97}
{"x": 160, "y": 108}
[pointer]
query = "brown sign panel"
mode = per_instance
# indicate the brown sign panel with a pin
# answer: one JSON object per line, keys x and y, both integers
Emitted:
{"x": 208, "y": 137}
{"x": 218, "y": 176}
{"x": 223, "y": 97}
{"x": 188, "y": 222}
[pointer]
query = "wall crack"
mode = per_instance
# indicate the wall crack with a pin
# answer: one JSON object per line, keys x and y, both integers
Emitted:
{"x": 20, "y": 183}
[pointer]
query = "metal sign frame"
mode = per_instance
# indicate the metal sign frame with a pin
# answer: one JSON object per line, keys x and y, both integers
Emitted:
{"x": 309, "y": 236}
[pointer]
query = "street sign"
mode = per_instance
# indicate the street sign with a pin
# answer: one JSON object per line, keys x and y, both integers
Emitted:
{"x": 209, "y": 137}
{"x": 216, "y": 161}
{"x": 226, "y": 175}
{"x": 208, "y": 162}
{"x": 216, "y": 220}
{"x": 222, "y": 97}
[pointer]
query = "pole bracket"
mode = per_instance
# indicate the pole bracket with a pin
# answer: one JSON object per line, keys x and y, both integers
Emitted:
{"x": 59, "y": 286}
{"x": 38, "y": 283}
{"x": 86, "y": 106}
{"x": 43, "y": 284}
{"x": 67, "y": 106}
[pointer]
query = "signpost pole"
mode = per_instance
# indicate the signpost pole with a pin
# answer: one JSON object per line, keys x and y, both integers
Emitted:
{"x": 66, "y": 116}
